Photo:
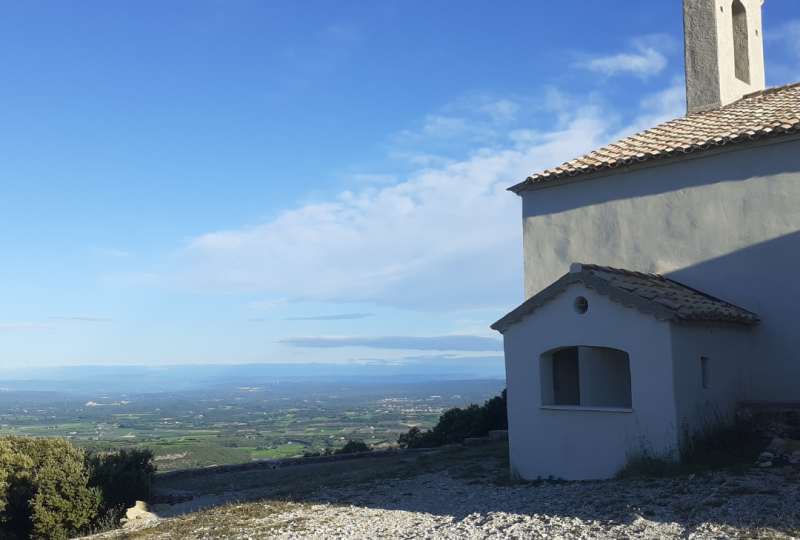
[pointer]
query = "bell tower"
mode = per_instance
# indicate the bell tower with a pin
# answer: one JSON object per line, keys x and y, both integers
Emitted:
{"x": 724, "y": 51}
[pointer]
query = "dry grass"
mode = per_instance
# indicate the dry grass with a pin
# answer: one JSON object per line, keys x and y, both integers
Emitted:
{"x": 787, "y": 529}
{"x": 255, "y": 519}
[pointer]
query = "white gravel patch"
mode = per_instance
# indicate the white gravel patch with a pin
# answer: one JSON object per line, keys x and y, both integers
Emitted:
{"x": 760, "y": 504}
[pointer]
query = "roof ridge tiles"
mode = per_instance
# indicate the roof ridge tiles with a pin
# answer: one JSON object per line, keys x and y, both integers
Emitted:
{"x": 770, "y": 113}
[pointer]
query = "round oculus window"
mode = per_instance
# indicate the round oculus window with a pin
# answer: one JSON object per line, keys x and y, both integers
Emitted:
{"x": 581, "y": 305}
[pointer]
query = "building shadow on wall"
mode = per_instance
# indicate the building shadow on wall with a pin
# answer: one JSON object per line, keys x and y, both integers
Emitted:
{"x": 762, "y": 279}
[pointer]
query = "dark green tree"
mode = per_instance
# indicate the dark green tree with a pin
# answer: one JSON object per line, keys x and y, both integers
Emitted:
{"x": 457, "y": 424}
{"x": 351, "y": 447}
{"x": 45, "y": 492}
{"x": 123, "y": 477}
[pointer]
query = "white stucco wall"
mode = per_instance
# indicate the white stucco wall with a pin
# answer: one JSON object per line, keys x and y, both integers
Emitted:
{"x": 727, "y": 224}
{"x": 731, "y": 362}
{"x": 586, "y": 444}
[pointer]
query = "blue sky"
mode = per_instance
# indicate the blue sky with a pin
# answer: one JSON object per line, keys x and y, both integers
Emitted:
{"x": 234, "y": 182}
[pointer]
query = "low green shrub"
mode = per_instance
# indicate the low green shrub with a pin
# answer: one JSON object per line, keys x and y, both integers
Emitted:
{"x": 52, "y": 490}
{"x": 317, "y": 453}
{"x": 44, "y": 492}
{"x": 123, "y": 477}
{"x": 351, "y": 447}
{"x": 457, "y": 424}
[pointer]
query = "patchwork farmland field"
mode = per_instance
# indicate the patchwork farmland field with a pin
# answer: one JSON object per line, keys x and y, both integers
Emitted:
{"x": 235, "y": 424}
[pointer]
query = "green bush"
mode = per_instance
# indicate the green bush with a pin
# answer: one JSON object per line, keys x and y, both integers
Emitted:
{"x": 351, "y": 447}
{"x": 317, "y": 453}
{"x": 51, "y": 490}
{"x": 123, "y": 477}
{"x": 457, "y": 424}
{"x": 44, "y": 491}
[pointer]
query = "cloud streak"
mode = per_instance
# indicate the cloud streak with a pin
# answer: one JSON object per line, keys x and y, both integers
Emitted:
{"x": 647, "y": 60}
{"x": 444, "y": 239}
{"x": 435, "y": 343}
{"x": 343, "y": 317}
{"x": 447, "y": 238}
{"x": 89, "y": 319}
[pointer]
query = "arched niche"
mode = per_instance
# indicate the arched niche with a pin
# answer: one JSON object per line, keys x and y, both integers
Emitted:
{"x": 586, "y": 377}
{"x": 741, "y": 41}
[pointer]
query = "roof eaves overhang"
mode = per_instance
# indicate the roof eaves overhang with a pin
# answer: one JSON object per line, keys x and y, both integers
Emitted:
{"x": 615, "y": 294}
{"x": 697, "y": 151}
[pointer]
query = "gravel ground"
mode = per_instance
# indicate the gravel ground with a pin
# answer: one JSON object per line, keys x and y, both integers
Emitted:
{"x": 758, "y": 504}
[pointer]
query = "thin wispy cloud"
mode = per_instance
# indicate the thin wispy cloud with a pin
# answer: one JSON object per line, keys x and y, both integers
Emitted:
{"x": 343, "y": 317}
{"x": 446, "y": 238}
{"x": 658, "y": 108}
{"x": 469, "y": 123}
{"x": 88, "y": 319}
{"x": 436, "y": 343}
{"x": 446, "y": 359}
{"x": 268, "y": 304}
{"x": 375, "y": 178}
{"x": 646, "y": 60}
{"x": 501, "y": 111}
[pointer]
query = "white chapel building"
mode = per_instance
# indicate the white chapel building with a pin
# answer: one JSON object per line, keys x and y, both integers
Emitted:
{"x": 659, "y": 270}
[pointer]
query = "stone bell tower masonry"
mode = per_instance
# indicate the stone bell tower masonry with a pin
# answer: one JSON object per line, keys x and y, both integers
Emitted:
{"x": 724, "y": 51}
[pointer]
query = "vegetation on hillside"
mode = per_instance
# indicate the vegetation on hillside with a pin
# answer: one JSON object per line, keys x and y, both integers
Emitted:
{"x": 123, "y": 477}
{"x": 351, "y": 447}
{"x": 51, "y": 490}
{"x": 228, "y": 425}
{"x": 457, "y": 424}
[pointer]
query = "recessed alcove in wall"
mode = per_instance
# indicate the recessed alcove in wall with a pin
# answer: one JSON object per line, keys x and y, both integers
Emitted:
{"x": 586, "y": 377}
{"x": 741, "y": 42}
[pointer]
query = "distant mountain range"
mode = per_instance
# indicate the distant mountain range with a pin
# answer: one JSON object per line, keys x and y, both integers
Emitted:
{"x": 196, "y": 376}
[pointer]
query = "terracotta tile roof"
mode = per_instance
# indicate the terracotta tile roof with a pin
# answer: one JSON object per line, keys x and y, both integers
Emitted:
{"x": 768, "y": 113}
{"x": 662, "y": 297}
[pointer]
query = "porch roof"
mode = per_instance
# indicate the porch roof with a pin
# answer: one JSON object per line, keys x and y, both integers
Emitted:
{"x": 665, "y": 299}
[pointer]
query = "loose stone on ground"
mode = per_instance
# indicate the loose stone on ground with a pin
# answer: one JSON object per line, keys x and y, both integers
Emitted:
{"x": 758, "y": 504}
